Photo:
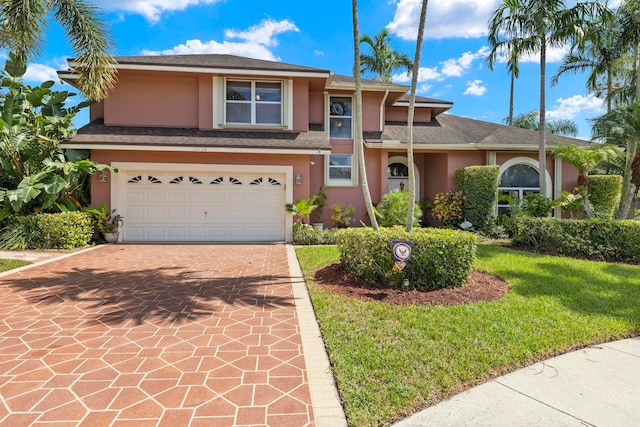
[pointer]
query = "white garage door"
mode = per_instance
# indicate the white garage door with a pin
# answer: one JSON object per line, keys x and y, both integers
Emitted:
{"x": 186, "y": 206}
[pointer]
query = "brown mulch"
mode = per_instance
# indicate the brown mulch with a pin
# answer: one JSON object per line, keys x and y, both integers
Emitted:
{"x": 479, "y": 287}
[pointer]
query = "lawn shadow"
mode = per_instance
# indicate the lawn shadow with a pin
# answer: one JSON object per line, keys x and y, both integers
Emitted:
{"x": 149, "y": 295}
{"x": 591, "y": 287}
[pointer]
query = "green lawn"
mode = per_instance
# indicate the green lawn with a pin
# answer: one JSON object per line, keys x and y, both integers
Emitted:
{"x": 390, "y": 361}
{"x": 10, "y": 264}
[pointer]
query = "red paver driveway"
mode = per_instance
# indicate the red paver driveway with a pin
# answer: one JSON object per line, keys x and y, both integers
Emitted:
{"x": 153, "y": 335}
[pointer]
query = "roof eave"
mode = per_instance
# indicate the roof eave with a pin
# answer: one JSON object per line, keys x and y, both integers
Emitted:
{"x": 394, "y": 144}
{"x": 198, "y": 149}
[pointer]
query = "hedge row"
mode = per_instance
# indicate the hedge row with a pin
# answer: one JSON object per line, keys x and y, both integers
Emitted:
{"x": 440, "y": 258}
{"x": 47, "y": 231}
{"x": 304, "y": 234}
{"x": 479, "y": 184}
{"x": 601, "y": 239}
{"x": 604, "y": 193}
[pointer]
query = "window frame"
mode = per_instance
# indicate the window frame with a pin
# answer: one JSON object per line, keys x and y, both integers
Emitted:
{"x": 339, "y": 182}
{"x": 344, "y": 117}
{"x": 254, "y": 102}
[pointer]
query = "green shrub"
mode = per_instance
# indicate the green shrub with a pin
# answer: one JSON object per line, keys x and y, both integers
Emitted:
{"x": 604, "y": 193}
{"x": 479, "y": 184}
{"x": 304, "y": 234}
{"x": 601, "y": 239}
{"x": 392, "y": 209}
{"x": 440, "y": 258}
{"x": 536, "y": 205}
{"x": 447, "y": 208}
{"x": 64, "y": 230}
{"x": 341, "y": 214}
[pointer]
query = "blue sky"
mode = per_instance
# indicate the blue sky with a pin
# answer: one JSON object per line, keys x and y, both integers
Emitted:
{"x": 319, "y": 34}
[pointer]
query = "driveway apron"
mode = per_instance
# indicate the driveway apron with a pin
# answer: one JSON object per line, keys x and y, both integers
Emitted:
{"x": 153, "y": 335}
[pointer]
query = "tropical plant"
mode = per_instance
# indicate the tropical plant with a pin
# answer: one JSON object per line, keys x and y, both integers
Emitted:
{"x": 302, "y": 208}
{"x": 531, "y": 121}
{"x": 341, "y": 214}
{"x": 540, "y": 25}
{"x": 358, "y": 137}
{"x": 22, "y": 31}
{"x": 383, "y": 60}
{"x": 320, "y": 202}
{"x": 105, "y": 220}
{"x": 536, "y": 205}
{"x": 412, "y": 105}
{"x": 392, "y": 209}
{"x": 510, "y": 48}
{"x": 570, "y": 202}
{"x": 448, "y": 208}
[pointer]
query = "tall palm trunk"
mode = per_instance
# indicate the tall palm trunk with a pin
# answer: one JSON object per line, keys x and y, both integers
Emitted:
{"x": 511, "y": 93}
{"x": 411, "y": 114}
{"x": 358, "y": 139}
{"x": 542, "y": 148}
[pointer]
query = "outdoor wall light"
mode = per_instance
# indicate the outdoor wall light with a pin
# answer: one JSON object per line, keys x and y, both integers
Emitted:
{"x": 102, "y": 177}
{"x": 298, "y": 178}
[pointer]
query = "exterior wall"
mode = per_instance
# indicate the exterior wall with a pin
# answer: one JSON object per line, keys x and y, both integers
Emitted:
{"x": 153, "y": 100}
{"x": 316, "y": 107}
{"x": 400, "y": 114}
{"x": 461, "y": 159}
{"x": 205, "y": 102}
{"x": 101, "y": 191}
{"x": 371, "y": 111}
{"x": 300, "y": 105}
{"x": 96, "y": 111}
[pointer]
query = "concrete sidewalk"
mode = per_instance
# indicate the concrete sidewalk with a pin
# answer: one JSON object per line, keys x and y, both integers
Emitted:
{"x": 595, "y": 386}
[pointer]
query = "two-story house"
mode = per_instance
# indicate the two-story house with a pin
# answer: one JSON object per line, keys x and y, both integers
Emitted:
{"x": 212, "y": 147}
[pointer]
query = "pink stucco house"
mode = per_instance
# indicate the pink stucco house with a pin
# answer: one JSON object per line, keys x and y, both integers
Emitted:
{"x": 211, "y": 147}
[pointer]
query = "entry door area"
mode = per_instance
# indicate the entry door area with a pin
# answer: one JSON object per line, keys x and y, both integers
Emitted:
{"x": 202, "y": 206}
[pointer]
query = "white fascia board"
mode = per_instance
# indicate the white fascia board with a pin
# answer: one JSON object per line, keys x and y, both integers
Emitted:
{"x": 190, "y": 149}
{"x": 225, "y": 71}
{"x": 423, "y": 104}
{"x": 453, "y": 147}
{"x": 369, "y": 88}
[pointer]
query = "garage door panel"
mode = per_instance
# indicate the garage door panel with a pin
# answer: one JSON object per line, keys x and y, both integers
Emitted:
{"x": 191, "y": 206}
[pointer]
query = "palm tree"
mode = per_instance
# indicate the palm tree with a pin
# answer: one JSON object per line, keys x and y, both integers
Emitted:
{"x": 510, "y": 46}
{"x": 22, "y": 31}
{"x": 598, "y": 54}
{"x": 359, "y": 139}
{"x": 531, "y": 121}
{"x": 411, "y": 113}
{"x": 383, "y": 60}
{"x": 540, "y": 25}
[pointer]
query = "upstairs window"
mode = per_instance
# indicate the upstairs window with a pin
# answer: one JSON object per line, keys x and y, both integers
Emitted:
{"x": 340, "y": 114}
{"x": 253, "y": 103}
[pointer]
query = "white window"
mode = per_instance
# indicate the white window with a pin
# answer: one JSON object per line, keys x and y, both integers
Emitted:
{"x": 517, "y": 181}
{"x": 253, "y": 103}
{"x": 339, "y": 170}
{"x": 340, "y": 114}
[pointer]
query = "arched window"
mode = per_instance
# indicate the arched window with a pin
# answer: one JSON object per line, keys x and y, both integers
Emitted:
{"x": 516, "y": 181}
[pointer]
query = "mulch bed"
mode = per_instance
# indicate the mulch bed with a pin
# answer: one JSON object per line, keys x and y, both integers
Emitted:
{"x": 479, "y": 287}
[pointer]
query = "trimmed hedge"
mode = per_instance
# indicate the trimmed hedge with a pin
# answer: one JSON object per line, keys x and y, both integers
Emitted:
{"x": 479, "y": 184}
{"x": 440, "y": 258}
{"x": 64, "y": 230}
{"x": 601, "y": 239}
{"x": 604, "y": 193}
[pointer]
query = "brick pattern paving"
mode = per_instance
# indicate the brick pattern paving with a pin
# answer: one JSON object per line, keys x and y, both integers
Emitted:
{"x": 153, "y": 335}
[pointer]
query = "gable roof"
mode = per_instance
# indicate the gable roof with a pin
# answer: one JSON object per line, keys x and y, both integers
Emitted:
{"x": 96, "y": 135}
{"x": 460, "y": 133}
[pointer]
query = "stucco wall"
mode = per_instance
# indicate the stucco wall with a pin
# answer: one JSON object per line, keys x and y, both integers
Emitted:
{"x": 316, "y": 107}
{"x": 300, "y": 105}
{"x": 400, "y": 114}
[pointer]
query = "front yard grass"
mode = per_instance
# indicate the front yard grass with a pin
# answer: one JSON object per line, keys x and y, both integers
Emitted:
{"x": 10, "y": 264}
{"x": 390, "y": 361}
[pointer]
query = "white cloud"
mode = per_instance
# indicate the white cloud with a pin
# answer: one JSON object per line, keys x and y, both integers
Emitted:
{"x": 475, "y": 88}
{"x": 150, "y": 9}
{"x": 455, "y": 67}
{"x": 40, "y": 73}
{"x": 445, "y": 19}
{"x": 257, "y": 40}
{"x": 569, "y": 108}
{"x": 318, "y": 52}
{"x": 423, "y": 89}
{"x": 554, "y": 54}
{"x": 424, "y": 74}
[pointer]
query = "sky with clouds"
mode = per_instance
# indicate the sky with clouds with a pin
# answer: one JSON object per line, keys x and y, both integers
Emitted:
{"x": 453, "y": 58}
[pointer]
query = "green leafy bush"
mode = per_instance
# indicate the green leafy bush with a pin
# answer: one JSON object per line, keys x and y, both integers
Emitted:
{"x": 604, "y": 193}
{"x": 341, "y": 214}
{"x": 602, "y": 239}
{"x": 479, "y": 184}
{"x": 392, "y": 209}
{"x": 304, "y": 234}
{"x": 536, "y": 205}
{"x": 440, "y": 258}
{"x": 447, "y": 208}
{"x": 64, "y": 230}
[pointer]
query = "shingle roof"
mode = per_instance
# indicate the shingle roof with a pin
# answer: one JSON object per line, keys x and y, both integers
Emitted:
{"x": 447, "y": 129}
{"x": 340, "y": 79}
{"x": 424, "y": 99}
{"x": 97, "y": 133}
{"x": 215, "y": 61}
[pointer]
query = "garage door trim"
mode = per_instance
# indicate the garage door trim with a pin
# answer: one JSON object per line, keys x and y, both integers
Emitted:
{"x": 118, "y": 183}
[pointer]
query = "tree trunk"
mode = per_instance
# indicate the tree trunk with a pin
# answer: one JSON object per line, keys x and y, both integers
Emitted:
{"x": 542, "y": 148}
{"x": 412, "y": 105}
{"x": 511, "y": 92}
{"x": 358, "y": 139}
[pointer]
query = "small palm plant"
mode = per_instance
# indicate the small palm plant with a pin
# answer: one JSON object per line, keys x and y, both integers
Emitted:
{"x": 302, "y": 208}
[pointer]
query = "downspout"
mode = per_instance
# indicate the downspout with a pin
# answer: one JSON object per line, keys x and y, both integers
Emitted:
{"x": 384, "y": 99}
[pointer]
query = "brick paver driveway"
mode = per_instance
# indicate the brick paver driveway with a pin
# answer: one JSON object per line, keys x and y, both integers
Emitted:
{"x": 153, "y": 335}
